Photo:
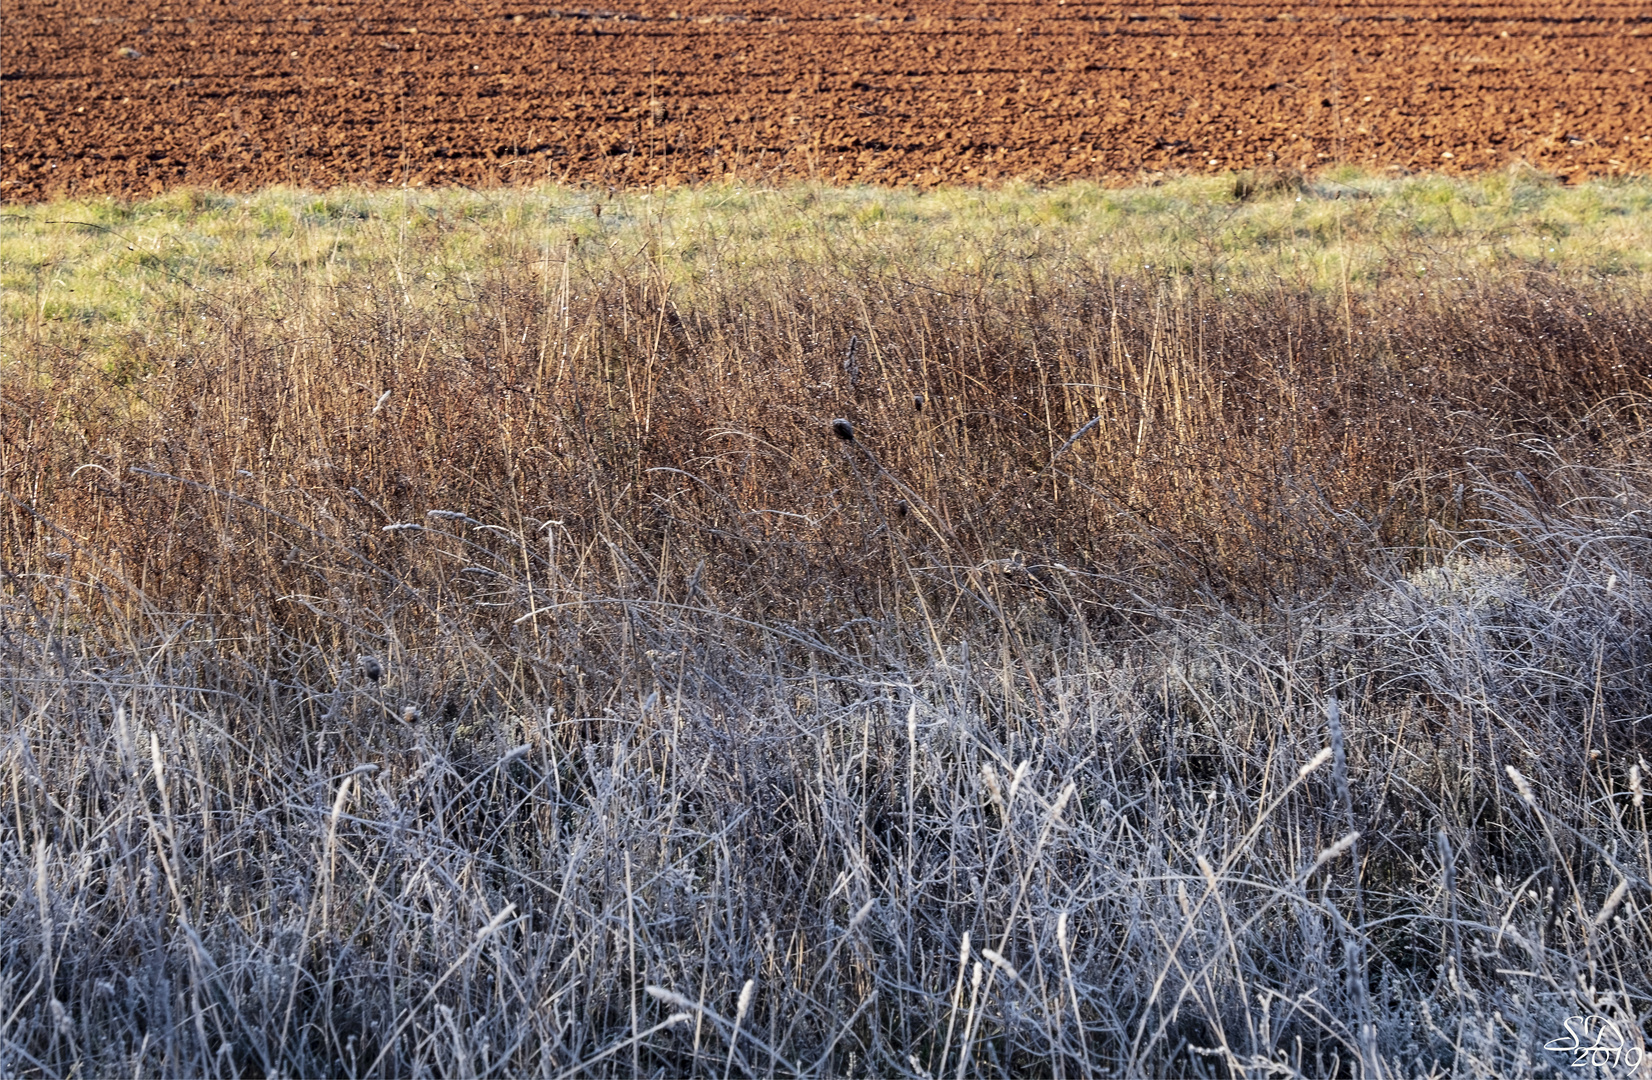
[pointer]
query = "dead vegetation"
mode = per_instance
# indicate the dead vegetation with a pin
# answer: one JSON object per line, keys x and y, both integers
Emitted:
{"x": 1158, "y": 680}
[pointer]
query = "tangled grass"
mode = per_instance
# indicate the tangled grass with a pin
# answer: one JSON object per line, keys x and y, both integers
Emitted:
{"x": 514, "y": 674}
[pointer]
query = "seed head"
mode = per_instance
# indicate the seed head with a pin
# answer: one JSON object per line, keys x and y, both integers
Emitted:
{"x": 843, "y": 429}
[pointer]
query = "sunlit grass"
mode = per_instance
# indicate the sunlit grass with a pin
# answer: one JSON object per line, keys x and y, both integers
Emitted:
{"x": 90, "y": 270}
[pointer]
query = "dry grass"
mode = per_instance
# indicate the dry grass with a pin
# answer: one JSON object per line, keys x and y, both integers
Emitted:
{"x": 1170, "y": 676}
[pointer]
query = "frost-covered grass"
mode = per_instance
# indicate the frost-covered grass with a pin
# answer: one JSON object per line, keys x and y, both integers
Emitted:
{"x": 1219, "y": 668}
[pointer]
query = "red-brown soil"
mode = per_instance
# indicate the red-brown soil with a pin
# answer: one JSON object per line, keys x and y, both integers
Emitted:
{"x": 125, "y": 97}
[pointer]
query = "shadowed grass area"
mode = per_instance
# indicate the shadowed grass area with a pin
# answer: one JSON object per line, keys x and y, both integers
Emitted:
{"x": 1218, "y": 645}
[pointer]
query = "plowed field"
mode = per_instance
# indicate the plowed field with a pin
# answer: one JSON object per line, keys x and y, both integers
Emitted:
{"x": 105, "y": 95}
